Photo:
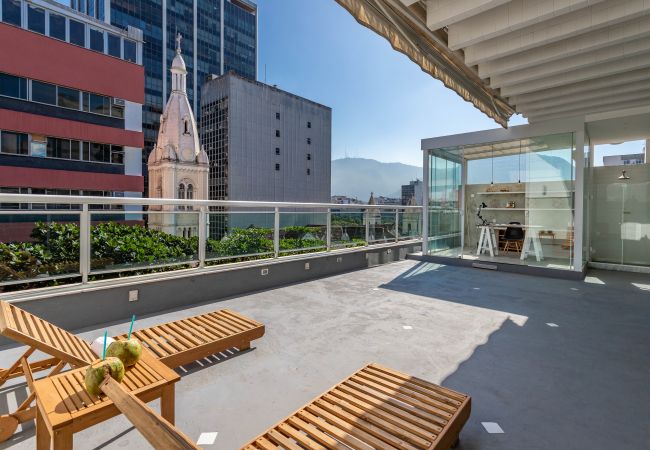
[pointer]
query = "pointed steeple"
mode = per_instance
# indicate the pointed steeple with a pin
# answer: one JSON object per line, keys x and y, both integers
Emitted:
{"x": 178, "y": 69}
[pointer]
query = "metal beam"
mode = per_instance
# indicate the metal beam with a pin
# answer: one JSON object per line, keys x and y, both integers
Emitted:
{"x": 590, "y": 102}
{"x": 583, "y": 87}
{"x": 575, "y": 76}
{"x": 566, "y": 26}
{"x": 509, "y": 17}
{"x": 568, "y": 99}
{"x": 610, "y": 55}
{"x": 611, "y": 36}
{"x": 583, "y": 112}
{"x": 442, "y": 13}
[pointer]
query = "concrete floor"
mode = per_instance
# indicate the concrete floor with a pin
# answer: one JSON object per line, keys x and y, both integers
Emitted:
{"x": 581, "y": 385}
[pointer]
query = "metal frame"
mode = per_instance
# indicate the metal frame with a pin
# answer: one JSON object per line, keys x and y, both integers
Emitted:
{"x": 198, "y": 207}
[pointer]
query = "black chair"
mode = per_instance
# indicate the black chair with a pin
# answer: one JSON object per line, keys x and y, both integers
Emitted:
{"x": 513, "y": 236}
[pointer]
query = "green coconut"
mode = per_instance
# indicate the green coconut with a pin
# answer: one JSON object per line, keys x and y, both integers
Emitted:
{"x": 98, "y": 370}
{"x": 129, "y": 351}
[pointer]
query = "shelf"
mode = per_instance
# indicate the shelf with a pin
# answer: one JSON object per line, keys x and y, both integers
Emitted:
{"x": 527, "y": 209}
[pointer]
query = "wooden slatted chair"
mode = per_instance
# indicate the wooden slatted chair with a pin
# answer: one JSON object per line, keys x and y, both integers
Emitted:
{"x": 174, "y": 343}
{"x": 374, "y": 408}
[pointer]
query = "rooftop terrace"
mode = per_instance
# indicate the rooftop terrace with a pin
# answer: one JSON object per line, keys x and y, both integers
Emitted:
{"x": 582, "y": 384}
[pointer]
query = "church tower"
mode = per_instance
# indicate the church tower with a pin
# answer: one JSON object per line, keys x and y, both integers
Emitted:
{"x": 178, "y": 166}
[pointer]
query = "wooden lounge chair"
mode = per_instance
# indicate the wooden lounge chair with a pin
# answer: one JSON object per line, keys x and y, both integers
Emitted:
{"x": 174, "y": 343}
{"x": 374, "y": 408}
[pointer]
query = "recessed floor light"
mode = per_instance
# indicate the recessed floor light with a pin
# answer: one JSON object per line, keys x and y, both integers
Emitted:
{"x": 407, "y": 327}
{"x": 207, "y": 438}
{"x": 477, "y": 289}
{"x": 552, "y": 325}
{"x": 492, "y": 427}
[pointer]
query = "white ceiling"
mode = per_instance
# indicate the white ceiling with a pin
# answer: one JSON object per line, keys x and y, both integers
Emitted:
{"x": 551, "y": 58}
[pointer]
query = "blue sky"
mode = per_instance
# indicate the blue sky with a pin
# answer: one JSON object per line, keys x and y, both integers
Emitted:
{"x": 383, "y": 104}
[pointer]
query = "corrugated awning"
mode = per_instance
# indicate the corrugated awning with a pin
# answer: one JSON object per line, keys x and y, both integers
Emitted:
{"x": 409, "y": 35}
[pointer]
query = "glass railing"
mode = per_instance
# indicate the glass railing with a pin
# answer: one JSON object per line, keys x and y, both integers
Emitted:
{"x": 47, "y": 240}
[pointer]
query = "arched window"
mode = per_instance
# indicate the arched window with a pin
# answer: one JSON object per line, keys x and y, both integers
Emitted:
{"x": 186, "y": 124}
{"x": 181, "y": 194}
{"x": 190, "y": 192}
{"x": 189, "y": 232}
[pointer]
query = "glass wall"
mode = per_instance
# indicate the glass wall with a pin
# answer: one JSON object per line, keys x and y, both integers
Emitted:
{"x": 445, "y": 190}
{"x": 517, "y": 200}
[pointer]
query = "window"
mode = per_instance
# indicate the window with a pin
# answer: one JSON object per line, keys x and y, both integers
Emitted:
{"x": 57, "y": 26}
{"x": 74, "y": 150}
{"x": 97, "y": 104}
{"x": 38, "y": 146}
{"x": 58, "y": 148}
{"x": 11, "y": 12}
{"x": 277, "y": 115}
{"x": 43, "y": 92}
{"x": 186, "y": 127}
{"x": 117, "y": 154}
{"x": 14, "y": 143}
{"x": 13, "y": 86}
{"x": 190, "y": 192}
{"x": 117, "y": 111}
{"x": 181, "y": 191}
{"x": 277, "y": 167}
{"x": 68, "y": 98}
{"x": 308, "y": 156}
{"x": 36, "y": 19}
{"x": 77, "y": 33}
{"x": 277, "y": 133}
{"x": 308, "y": 124}
{"x": 114, "y": 45}
{"x": 96, "y": 40}
{"x": 308, "y": 141}
{"x": 277, "y": 150}
{"x": 97, "y": 152}
{"x": 130, "y": 53}
{"x": 308, "y": 171}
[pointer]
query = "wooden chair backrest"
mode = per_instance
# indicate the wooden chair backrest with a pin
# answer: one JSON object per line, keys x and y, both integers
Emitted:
{"x": 21, "y": 326}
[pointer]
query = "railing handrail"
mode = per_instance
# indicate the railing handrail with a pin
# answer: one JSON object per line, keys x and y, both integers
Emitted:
{"x": 144, "y": 201}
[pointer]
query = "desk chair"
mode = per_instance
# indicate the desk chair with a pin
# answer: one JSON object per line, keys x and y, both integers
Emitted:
{"x": 513, "y": 236}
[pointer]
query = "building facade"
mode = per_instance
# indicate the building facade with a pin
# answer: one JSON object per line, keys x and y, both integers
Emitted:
{"x": 219, "y": 36}
{"x": 71, "y": 95}
{"x": 265, "y": 144}
{"x": 413, "y": 189}
{"x": 178, "y": 167}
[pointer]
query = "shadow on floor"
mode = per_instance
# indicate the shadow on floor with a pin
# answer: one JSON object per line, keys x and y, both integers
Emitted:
{"x": 580, "y": 385}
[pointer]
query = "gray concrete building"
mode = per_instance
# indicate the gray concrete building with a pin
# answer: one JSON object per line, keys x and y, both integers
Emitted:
{"x": 263, "y": 143}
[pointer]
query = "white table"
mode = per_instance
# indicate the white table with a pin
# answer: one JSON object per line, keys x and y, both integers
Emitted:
{"x": 487, "y": 241}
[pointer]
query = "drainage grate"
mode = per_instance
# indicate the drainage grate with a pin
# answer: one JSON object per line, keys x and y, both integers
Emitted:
{"x": 485, "y": 266}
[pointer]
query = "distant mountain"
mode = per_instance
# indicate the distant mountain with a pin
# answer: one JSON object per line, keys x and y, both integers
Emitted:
{"x": 358, "y": 177}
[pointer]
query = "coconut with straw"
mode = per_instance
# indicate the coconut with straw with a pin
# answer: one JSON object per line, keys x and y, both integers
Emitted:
{"x": 128, "y": 351}
{"x": 100, "y": 369}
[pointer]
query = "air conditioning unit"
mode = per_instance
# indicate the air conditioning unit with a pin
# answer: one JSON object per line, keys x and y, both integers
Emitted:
{"x": 118, "y": 101}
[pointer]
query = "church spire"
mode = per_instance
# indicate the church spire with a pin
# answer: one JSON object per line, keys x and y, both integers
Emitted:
{"x": 178, "y": 69}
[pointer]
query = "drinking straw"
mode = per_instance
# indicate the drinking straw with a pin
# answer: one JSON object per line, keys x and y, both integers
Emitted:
{"x": 104, "y": 351}
{"x": 131, "y": 327}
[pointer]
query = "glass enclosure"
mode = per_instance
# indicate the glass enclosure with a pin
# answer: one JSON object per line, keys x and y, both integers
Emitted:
{"x": 620, "y": 219}
{"x": 510, "y": 201}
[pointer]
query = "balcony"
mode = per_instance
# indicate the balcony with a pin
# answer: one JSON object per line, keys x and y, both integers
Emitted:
{"x": 555, "y": 363}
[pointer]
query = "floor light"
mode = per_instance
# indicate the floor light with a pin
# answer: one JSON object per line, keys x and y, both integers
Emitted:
{"x": 624, "y": 176}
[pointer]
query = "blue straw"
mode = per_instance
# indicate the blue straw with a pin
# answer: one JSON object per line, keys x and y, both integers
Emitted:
{"x": 131, "y": 327}
{"x": 104, "y": 351}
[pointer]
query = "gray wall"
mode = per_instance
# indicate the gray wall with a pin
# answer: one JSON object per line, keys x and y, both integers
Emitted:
{"x": 93, "y": 307}
{"x": 252, "y": 124}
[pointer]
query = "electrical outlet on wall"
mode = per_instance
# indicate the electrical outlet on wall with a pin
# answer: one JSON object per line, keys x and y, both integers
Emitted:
{"x": 133, "y": 295}
{"x": 339, "y": 259}
{"x": 307, "y": 266}
{"x": 264, "y": 272}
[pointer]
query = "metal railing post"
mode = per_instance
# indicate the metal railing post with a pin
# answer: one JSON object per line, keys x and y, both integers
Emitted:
{"x": 396, "y": 225}
{"x": 367, "y": 217}
{"x": 329, "y": 229}
{"x": 203, "y": 235}
{"x": 276, "y": 233}
{"x": 84, "y": 243}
